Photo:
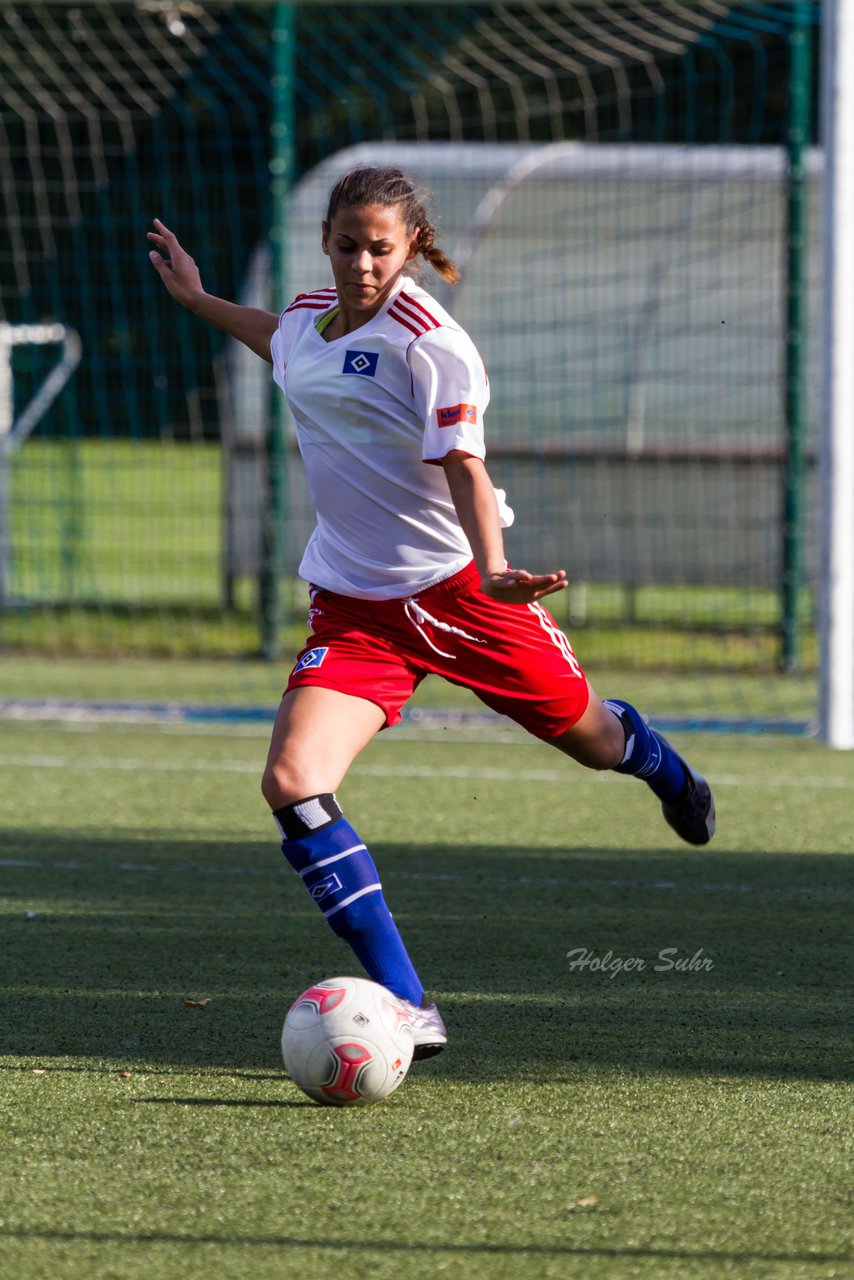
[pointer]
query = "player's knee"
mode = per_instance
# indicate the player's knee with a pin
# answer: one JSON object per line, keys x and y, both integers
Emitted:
{"x": 598, "y": 755}
{"x": 608, "y": 755}
{"x": 284, "y": 782}
{"x": 270, "y": 788}
{"x": 600, "y": 748}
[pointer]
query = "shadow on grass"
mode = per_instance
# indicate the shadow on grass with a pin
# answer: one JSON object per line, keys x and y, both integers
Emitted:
{"x": 228, "y": 1102}
{"x": 107, "y": 939}
{"x": 417, "y": 1247}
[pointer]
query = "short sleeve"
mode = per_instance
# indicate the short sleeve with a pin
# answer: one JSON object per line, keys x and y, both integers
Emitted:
{"x": 451, "y": 392}
{"x": 280, "y": 347}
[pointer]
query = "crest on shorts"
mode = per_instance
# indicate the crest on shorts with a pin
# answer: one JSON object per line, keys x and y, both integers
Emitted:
{"x": 313, "y": 658}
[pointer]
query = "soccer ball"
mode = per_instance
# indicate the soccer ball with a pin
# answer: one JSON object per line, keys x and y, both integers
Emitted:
{"x": 347, "y": 1042}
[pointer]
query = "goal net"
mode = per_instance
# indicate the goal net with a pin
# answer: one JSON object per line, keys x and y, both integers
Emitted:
{"x": 616, "y": 179}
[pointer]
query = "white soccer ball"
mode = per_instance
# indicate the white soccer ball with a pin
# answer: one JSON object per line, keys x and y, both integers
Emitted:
{"x": 347, "y": 1042}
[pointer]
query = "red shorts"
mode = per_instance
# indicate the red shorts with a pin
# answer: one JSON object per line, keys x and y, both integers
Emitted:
{"x": 513, "y": 656}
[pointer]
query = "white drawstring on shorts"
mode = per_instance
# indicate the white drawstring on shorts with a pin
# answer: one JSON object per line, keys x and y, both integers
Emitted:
{"x": 418, "y": 616}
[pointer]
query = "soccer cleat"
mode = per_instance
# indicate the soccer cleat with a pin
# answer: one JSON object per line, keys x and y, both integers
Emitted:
{"x": 428, "y": 1029}
{"x": 693, "y": 817}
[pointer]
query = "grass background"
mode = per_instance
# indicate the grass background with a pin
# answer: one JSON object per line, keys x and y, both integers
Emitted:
{"x": 653, "y": 1124}
{"x": 117, "y": 550}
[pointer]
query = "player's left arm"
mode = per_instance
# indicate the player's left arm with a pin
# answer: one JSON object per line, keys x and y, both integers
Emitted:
{"x": 477, "y": 509}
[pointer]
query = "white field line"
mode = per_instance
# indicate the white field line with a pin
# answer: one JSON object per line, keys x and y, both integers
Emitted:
{"x": 484, "y": 774}
{"x": 569, "y": 882}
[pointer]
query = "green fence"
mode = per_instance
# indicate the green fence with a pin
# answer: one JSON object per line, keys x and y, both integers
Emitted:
{"x": 630, "y": 189}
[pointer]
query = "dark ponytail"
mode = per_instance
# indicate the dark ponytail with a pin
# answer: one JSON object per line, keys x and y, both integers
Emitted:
{"x": 391, "y": 188}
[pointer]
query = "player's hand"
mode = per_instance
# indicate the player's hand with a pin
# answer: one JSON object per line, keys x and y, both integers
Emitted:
{"x": 174, "y": 265}
{"x": 517, "y": 586}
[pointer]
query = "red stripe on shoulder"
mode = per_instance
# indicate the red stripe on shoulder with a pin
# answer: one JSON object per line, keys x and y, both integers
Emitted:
{"x": 317, "y": 298}
{"x": 404, "y": 297}
{"x": 416, "y": 321}
{"x": 407, "y": 324}
{"x": 418, "y": 324}
{"x": 426, "y": 322}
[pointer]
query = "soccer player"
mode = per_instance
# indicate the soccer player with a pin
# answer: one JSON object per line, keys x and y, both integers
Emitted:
{"x": 406, "y": 563}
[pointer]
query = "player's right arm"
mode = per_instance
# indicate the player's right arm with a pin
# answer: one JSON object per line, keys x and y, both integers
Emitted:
{"x": 181, "y": 277}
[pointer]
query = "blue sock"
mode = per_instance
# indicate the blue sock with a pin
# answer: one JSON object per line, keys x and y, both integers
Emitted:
{"x": 341, "y": 877}
{"x": 648, "y": 755}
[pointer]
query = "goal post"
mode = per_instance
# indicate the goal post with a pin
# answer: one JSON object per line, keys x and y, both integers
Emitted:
{"x": 836, "y": 693}
{"x": 274, "y": 538}
{"x": 15, "y": 430}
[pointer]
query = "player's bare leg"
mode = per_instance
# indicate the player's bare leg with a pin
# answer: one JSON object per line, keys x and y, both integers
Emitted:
{"x": 597, "y": 740}
{"x": 316, "y": 737}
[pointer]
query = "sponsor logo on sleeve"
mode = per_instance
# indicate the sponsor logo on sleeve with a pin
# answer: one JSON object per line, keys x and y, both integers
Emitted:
{"x": 361, "y": 362}
{"x": 457, "y": 413}
{"x": 314, "y": 658}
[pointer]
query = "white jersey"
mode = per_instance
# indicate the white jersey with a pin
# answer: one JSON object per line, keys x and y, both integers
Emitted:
{"x": 371, "y": 409}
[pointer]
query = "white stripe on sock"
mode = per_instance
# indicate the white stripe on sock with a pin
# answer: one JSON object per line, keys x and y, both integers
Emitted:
{"x": 372, "y": 888}
{"x": 336, "y": 857}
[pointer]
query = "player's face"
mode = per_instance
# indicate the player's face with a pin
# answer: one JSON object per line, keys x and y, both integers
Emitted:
{"x": 368, "y": 248}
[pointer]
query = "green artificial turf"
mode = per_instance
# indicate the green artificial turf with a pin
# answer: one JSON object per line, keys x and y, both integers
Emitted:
{"x": 255, "y": 683}
{"x": 654, "y": 1123}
